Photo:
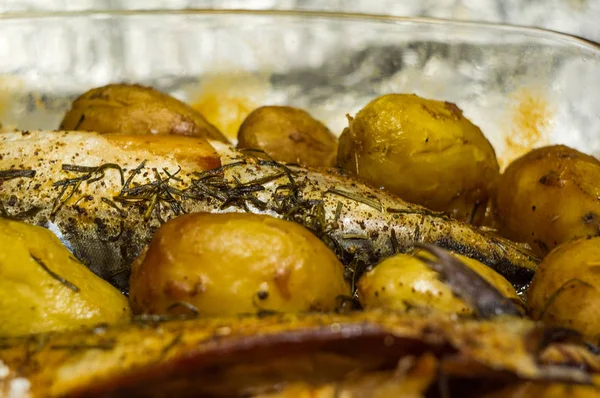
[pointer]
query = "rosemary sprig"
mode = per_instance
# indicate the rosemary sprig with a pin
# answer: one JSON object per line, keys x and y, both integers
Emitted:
{"x": 94, "y": 169}
{"x": 190, "y": 307}
{"x": 112, "y": 204}
{"x": 558, "y": 292}
{"x": 135, "y": 172}
{"x": 16, "y": 173}
{"x": 355, "y": 236}
{"x": 172, "y": 344}
{"x": 102, "y": 345}
{"x": 338, "y": 212}
{"x": 394, "y": 241}
{"x": 55, "y": 275}
{"x": 92, "y": 174}
{"x": 357, "y": 198}
{"x": 417, "y": 210}
{"x": 156, "y": 193}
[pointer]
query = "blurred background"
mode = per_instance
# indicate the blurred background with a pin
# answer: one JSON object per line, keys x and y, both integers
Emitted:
{"x": 522, "y": 87}
{"x": 576, "y": 17}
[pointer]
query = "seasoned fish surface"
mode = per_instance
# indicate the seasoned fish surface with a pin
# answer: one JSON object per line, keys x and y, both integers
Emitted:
{"x": 105, "y": 196}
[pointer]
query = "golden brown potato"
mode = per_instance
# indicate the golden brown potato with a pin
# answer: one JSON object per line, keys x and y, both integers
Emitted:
{"x": 289, "y": 135}
{"x": 566, "y": 287}
{"x": 550, "y": 196}
{"x": 422, "y": 150}
{"x": 44, "y": 288}
{"x": 134, "y": 109}
{"x": 403, "y": 281}
{"x": 226, "y": 264}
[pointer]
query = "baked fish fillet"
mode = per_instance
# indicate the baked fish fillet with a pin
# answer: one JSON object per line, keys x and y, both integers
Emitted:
{"x": 105, "y": 195}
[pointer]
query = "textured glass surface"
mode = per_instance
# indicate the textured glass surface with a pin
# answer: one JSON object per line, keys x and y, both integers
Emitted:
{"x": 523, "y": 86}
{"x": 577, "y": 17}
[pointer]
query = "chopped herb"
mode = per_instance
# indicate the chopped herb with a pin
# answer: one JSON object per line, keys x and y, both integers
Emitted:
{"x": 558, "y": 292}
{"x": 354, "y": 236}
{"x": 357, "y": 198}
{"x": 193, "y": 309}
{"x": 102, "y": 345}
{"x": 174, "y": 175}
{"x": 16, "y": 173}
{"x": 212, "y": 183}
{"x": 265, "y": 179}
{"x": 158, "y": 193}
{"x": 93, "y": 174}
{"x": 353, "y": 272}
{"x": 55, "y": 275}
{"x": 338, "y": 211}
{"x": 417, "y": 210}
{"x": 94, "y": 169}
{"x": 112, "y": 204}
{"x": 119, "y": 271}
{"x": 394, "y": 241}
{"x": 135, "y": 172}
{"x": 217, "y": 171}
{"x": 176, "y": 340}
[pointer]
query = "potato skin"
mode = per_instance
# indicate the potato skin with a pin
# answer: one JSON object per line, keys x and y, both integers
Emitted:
{"x": 226, "y": 264}
{"x": 289, "y": 135}
{"x": 422, "y": 150}
{"x": 566, "y": 287}
{"x": 135, "y": 109}
{"x": 550, "y": 196}
{"x": 35, "y": 302}
{"x": 403, "y": 281}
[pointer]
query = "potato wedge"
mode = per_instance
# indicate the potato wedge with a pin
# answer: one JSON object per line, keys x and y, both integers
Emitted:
{"x": 135, "y": 109}
{"x": 223, "y": 264}
{"x": 566, "y": 287}
{"x": 403, "y": 282}
{"x": 289, "y": 135}
{"x": 550, "y": 196}
{"x": 44, "y": 288}
{"x": 424, "y": 151}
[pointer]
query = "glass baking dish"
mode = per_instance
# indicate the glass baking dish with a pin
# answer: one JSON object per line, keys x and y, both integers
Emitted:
{"x": 524, "y": 87}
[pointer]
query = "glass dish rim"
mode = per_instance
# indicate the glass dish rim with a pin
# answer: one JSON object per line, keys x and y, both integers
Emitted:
{"x": 481, "y": 25}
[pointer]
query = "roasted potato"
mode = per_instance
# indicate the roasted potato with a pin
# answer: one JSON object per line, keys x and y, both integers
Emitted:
{"x": 403, "y": 281}
{"x": 289, "y": 135}
{"x": 222, "y": 264}
{"x": 550, "y": 196}
{"x": 422, "y": 150}
{"x": 566, "y": 287}
{"x": 44, "y": 288}
{"x": 134, "y": 109}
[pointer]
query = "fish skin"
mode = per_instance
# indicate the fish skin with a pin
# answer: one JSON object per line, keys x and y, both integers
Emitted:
{"x": 107, "y": 240}
{"x": 237, "y": 355}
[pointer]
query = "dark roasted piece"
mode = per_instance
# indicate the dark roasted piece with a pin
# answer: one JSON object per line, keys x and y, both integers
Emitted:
{"x": 250, "y": 355}
{"x": 467, "y": 284}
